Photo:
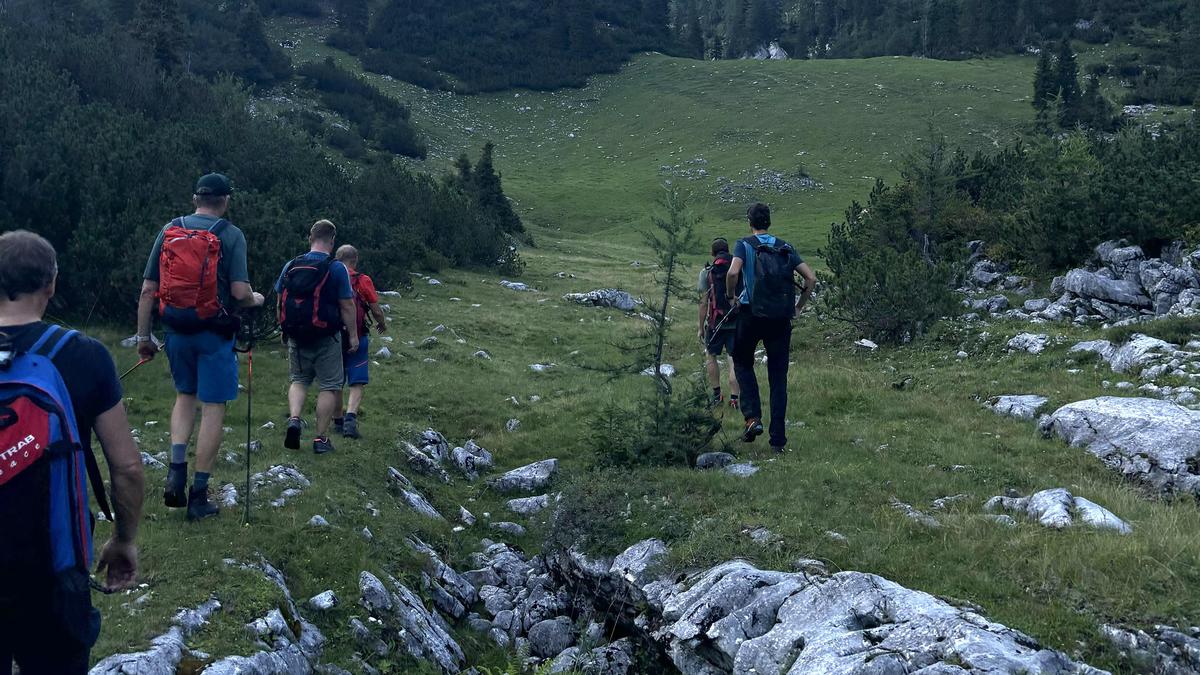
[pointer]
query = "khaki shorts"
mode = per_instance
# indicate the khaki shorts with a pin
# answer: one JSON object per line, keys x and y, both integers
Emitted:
{"x": 320, "y": 362}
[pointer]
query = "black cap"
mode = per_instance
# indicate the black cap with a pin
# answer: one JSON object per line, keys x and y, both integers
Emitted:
{"x": 214, "y": 184}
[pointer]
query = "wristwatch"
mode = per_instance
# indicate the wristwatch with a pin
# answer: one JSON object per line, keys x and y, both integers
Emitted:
{"x": 145, "y": 338}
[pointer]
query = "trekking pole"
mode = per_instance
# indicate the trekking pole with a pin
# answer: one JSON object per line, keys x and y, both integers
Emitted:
{"x": 137, "y": 365}
{"x": 249, "y": 423}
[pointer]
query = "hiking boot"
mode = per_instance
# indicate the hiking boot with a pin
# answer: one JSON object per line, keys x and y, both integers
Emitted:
{"x": 175, "y": 495}
{"x": 350, "y": 428}
{"x": 291, "y": 439}
{"x": 322, "y": 445}
{"x": 754, "y": 429}
{"x": 198, "y": 505}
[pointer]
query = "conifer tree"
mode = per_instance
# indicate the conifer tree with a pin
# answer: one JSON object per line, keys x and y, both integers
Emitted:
{"x": 737, "y": 39}
{"x": 762, "y": 22}
{"x": 695, "y": 38}
{"x": 489, "y": 192}
{"x": 159, "y": 24}
{"x": 353, "y": 16}
{"x": 266, "y": 62}
{"x": 1043, "y": 83}
{"x": 1067, "y": 85}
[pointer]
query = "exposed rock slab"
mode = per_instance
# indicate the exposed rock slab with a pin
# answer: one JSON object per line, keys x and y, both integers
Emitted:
{"x": 166, "y": 650}
{"x": 605, "y": 297}
{"x": 1023, "y": 406}
{"x": 1155, "y": 442}
{"x": 1059, "y": 509}
{"x": 526, "y": 478}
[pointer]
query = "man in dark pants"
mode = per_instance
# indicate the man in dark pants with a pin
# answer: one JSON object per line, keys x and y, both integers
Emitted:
{"x": 766, "y": 307}
{"x": 47, "y": 623}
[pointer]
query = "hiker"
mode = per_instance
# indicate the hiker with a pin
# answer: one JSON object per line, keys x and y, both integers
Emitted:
{"x": 197, "y": 276}
{"x": 366, "y": 305}
{"x": 316, "y": 303}
{"x": 717, "y": 325}
{"x": 47, "y": 623}
{"x": 766, "y": 306}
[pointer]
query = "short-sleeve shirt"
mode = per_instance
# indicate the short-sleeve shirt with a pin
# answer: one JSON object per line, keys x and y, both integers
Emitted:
{"x": 86, "y": 368}
{"x": 339, "y": 276}
{"x": 233, "y": 265}
{"x": 364, "y": 289}
{"x": 745, "y": 252}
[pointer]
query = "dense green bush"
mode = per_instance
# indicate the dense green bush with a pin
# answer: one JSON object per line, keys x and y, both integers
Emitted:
{"x": 375, "y": 114}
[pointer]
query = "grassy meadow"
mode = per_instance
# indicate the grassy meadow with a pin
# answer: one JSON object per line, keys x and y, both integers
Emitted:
{"x": 856, "y": 442}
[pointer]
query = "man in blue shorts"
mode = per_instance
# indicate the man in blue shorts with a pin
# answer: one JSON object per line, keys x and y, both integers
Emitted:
{"x": 366, "y": 300}
{"x": 195, "y": 305}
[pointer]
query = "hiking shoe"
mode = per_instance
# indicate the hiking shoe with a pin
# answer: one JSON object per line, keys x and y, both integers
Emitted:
{"x": 322, "y": 445}
{"x": 175, "y": 496}
{"x": 754, "y": 429}
{"x": 198, "y": 505}
{"x": 778, "y": 449}
{"x": 291, "y": 440}
{"x": 350, "y": 428}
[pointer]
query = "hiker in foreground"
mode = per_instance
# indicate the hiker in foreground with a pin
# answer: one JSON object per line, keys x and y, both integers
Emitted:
{"x": 356, "y": 363}
{"x": 197, "y": 276}
{"x": 766, "y": 306}
{"x": 58, "y": 388}
{"x": 316, "y": 302}
{"x": 717, "y": 325}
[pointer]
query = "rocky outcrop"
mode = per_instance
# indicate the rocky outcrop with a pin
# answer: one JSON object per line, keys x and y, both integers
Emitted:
{"x": 527, "y": 478}
{"x": 1140, "y": 353}
{"x": 401, "y": 618}
{"x": 472, "y": 460}
{"x": 1024, "y": 406}
{"x": 1029, "y": 342}
{"x": 166, "y": 650}
{"x": 1152, "y": 441}
{"x": 1059, "y": 509}
{"x": 1161, "y": 649}
{"x": 605, "y": 297}
{"x": 736, "y": 618}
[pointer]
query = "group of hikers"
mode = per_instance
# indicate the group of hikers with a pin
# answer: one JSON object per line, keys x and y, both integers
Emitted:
{"x": 749, "y": 297}
{"x": 58, "y": 388}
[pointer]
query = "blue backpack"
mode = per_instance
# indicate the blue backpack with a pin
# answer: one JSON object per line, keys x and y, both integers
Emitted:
{"x": 45, "y": 523}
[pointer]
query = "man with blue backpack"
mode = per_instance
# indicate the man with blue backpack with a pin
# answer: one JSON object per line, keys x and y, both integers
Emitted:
{"x": 196, "y": 278}
{"x": 316, "y": 305}
{"x": 766, "y": 306}
{"x": 57, "y": 389}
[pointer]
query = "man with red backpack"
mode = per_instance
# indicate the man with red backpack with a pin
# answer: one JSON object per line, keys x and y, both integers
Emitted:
{"x": 316, "y": 304}
{"x": 717, "y": 325}
{"x": 196, "y": 278}
{"x": 366, "y": 303}
{"x": 57, "y": 389}
{"x": 766, "y": 305}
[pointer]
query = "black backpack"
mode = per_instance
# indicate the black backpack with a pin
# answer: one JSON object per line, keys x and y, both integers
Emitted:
{"x": 309, "y": 309}
{"x": 774, "y": 282}
{"x": 718, "y": 303}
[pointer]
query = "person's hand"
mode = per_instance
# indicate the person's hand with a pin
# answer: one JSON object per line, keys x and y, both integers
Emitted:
{"x": 700, "y": 333}
{"x": 734, "y": 301}
{"x": 147, "y": 349}
{"x": 120, "y": 561}
{"x": 258, "y": 299}
{"x": 352, "y": 346}
{"x": 381, "y": 328}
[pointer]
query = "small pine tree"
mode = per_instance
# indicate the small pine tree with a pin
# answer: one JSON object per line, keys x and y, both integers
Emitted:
{"x": 489, "y": 193}
{"x": 1043, "y": 83}
{"x": 1067, "y": 85}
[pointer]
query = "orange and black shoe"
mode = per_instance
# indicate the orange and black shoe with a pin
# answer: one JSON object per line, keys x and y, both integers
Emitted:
{"x": 754, "y": 429}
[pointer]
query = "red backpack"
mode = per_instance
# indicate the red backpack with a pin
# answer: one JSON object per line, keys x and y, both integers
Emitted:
{"x": 188, "y": 297}
{"x": 360, "y": 303}
{"x": 718, "y": 304}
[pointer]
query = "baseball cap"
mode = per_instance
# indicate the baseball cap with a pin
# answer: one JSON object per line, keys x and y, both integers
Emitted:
{"x": 215, "y": 184}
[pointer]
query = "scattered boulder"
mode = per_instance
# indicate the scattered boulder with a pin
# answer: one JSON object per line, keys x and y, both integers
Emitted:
{"x": 1029, "y": 342}
{"x": 150, "y": 462}
{"x": 509, "y": 528}
{"x": 664, "y": 369}
{"x": 423, "y": 464}
{"x": 323, "y": 602}
{"x": 1059, "y": 509}
{"x": 743, "y": 470}
{"x": 1155, "y": 442}
{"x": 605, "y": 297}
{"x": 866, "y": 345}
{"x": 612, "y": 659}
{"x": 1025, "y": 406}
{"x": 528, "y": 506}
{"x": 471, "y": 459}
{"x": 1095, "y": 287}
{"x": 915, "y": 515}
{"x": 526, "y": 478}
{"x": 516, "y": 286}
{"x": 287, "y": 479}
{"x": 318, "y": 522}
{"x": 551, "y": 637}
{"x": 166, "y": 650}
{"x": 714, "y": 460}
{"x": 1161, "y": 649}
{"x": 512, "y": 425}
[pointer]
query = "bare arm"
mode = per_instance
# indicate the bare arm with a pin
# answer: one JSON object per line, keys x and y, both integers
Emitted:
{"x": 350, "y": 321}
{"x": 731, "y": 279}
{"x": 245, "y": 295}
{"x": 810, "y": 284}
{"x": 380, "y": 319}
{"x": 145, "y": 319}
{"x": 119, "y": 556}
{"x": 703, "y": 311}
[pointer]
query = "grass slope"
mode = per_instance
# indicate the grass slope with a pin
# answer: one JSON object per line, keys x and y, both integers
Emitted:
{"x": 856, "y": 442}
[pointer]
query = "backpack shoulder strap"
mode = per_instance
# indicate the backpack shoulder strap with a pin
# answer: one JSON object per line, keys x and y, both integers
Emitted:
{"x": 47, "y": 334}
{"x": 219, "y": 226}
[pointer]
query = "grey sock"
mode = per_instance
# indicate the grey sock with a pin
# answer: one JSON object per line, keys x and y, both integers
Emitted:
{"x": 179, "y": 453}
{"x": 200, "y": 482}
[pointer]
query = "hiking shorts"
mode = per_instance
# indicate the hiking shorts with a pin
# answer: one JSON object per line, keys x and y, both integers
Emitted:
{"x": 203, "y": 365}
{"x": 721, "y": 342}
{"x": 319, "y": 362}
{"x": 356, "y": 364}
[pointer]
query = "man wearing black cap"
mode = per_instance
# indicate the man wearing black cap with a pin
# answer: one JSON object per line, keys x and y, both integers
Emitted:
{"x": 203, "y": 363}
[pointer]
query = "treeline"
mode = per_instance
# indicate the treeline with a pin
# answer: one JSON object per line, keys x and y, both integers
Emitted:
{"x": 102, "y": 136}
{"x": 488, "y": 45}
{"x": 1042, "y": 205}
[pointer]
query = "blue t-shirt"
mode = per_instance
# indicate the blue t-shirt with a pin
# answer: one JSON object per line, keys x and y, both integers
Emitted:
{"x": 339, "y": 276}
{"x": 746, "y": 253}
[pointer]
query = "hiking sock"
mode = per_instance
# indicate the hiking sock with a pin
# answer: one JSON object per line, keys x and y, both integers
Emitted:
{"x": 200, "y": 482}
{"x": 716, "y": 393}
{"x": 179, "y": 453}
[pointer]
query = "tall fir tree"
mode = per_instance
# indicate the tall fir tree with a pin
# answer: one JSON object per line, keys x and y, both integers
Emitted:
{"x": 489, "y": 192}
{"x": 265, "y": 62}
{"x": 695, "y": 38}
{"x": 737, "y": 38}
{"x": 159, "y": 25}
{"x": 1067, "y": 85}
{"x": 1044, "y": 91}
{"x": 762, "y": 22}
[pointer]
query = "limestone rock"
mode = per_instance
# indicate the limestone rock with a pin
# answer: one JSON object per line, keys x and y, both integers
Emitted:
{"x": 1160, "y": 649}
{"x": 512, "y": 529}
{"x": 166, "y": 650}
{"x": 1025, "y": 406}
{"x": 471, "y": 459}
{"x": 528, "y": 506}
{"x": 743, "y": 470}
{"x": 605, "y": 297}
{"x": 1029, "y": 342}
{"x": 528, "y": 478}
{"x": 549, "y": 638}
{"x": 1058, "y": 509}
{"x": 1095, "y": 287}
{"x": 1155, "y": 442}
{"x": 423, "y": 464}
{"x": 516, "y": 286}
{"x": 714, "y": 460}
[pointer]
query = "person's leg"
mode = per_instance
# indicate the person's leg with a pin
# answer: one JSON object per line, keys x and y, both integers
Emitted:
{"x": 183, "y": 419}
{"x": 778, "y": 340}
{"x": 212, "y": 423}
{"x": 326, "y": 403}
{"x": 356, "y": 397}
{"x": 297, "y": 393}
{"x": 711, "y": 368}
{"x": 744, "y": 344}
{"x": 330, "y": 375}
